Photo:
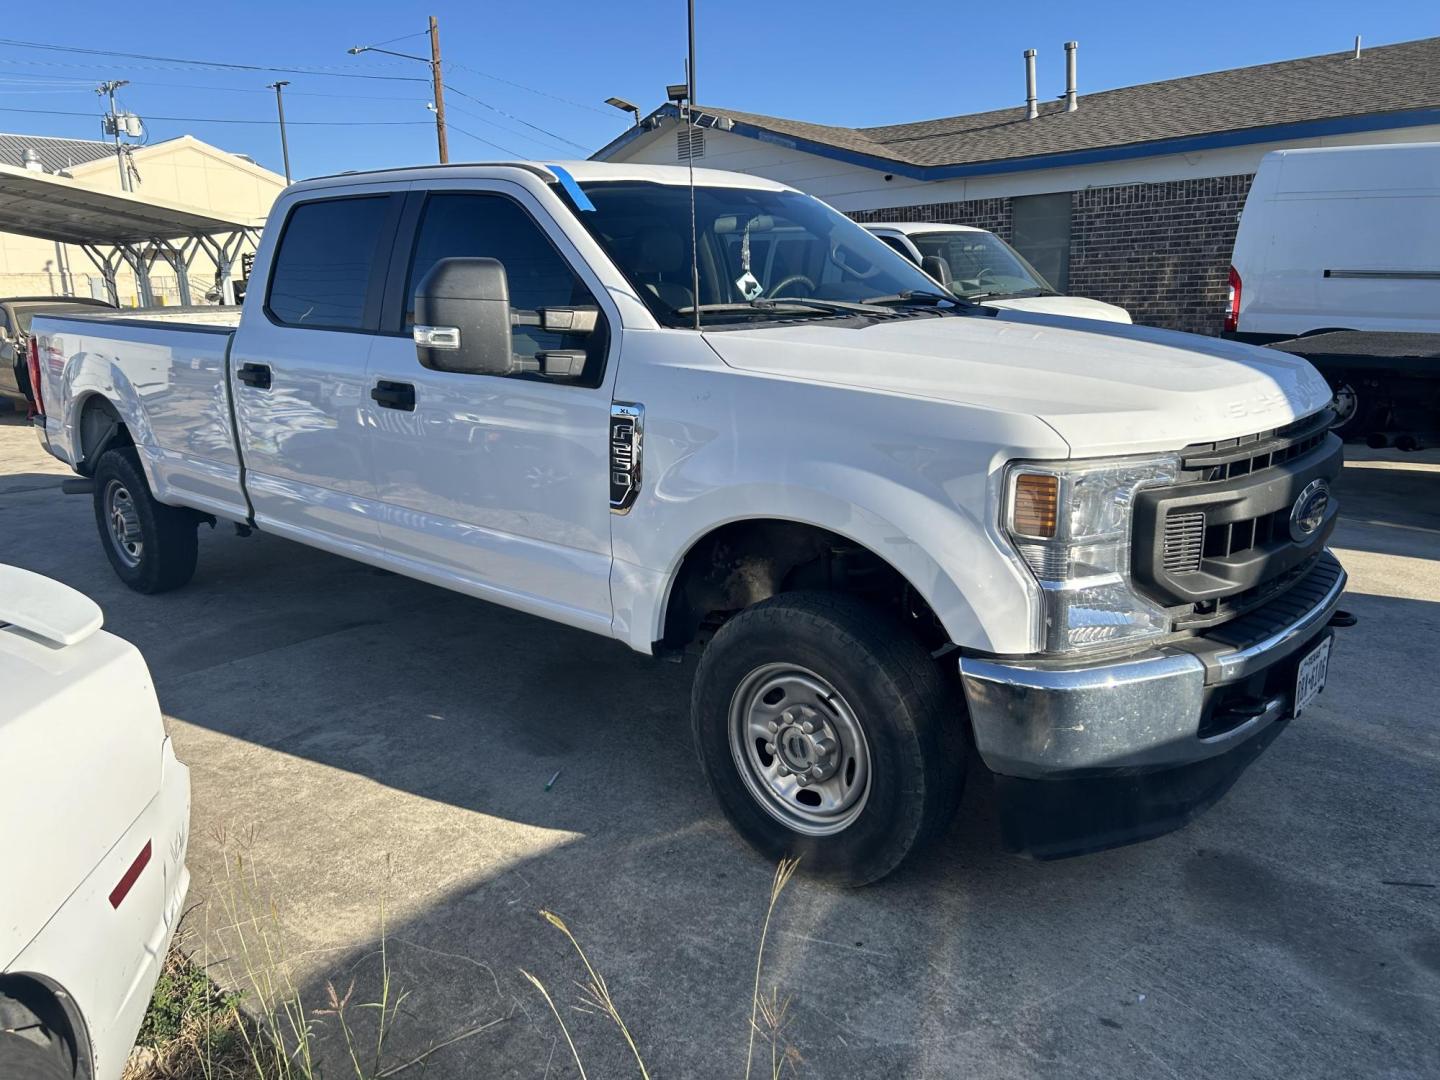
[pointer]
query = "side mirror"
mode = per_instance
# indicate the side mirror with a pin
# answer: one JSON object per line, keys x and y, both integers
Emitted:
{"x": 937, "y": 268}
{"x": 462, "y": 318}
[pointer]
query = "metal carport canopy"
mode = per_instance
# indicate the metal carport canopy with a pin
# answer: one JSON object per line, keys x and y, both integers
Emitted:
{"x": 55, "y": 208}
{"x": 113, "y": 229}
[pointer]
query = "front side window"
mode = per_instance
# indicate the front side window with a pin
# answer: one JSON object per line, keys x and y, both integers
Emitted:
{"x": 753, "y": 249}
{"x": 324, "y": 262}
{"x": 982, "y": 266}
{"x": 460, "y": 225}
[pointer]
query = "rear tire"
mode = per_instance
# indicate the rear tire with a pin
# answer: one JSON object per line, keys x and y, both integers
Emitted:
{"x": 823, "y": 686}
{"x": 153, "y": 547}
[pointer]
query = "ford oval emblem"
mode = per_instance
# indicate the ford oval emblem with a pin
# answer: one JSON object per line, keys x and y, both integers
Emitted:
{"x": 1308, "y": 513}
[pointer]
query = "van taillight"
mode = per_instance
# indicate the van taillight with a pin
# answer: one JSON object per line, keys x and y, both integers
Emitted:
{"x": 1232, "y": 306}
{"x": 33, "y": 362}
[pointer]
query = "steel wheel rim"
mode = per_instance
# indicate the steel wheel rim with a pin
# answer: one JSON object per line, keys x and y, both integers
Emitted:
{"x": 123, "y": 522}
{"x": 1346, "y": 403}
{"x": 773, "y": 749}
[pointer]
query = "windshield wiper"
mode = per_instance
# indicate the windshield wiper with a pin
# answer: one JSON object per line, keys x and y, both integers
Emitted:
{"x": 785, "y": 304}
{"x": 916, "y": 297}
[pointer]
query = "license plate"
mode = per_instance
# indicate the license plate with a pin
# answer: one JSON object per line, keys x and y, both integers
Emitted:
{"x": 1310, "y": 679}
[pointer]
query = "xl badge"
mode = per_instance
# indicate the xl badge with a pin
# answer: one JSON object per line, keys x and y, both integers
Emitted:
{"x": 1308, "y": 513}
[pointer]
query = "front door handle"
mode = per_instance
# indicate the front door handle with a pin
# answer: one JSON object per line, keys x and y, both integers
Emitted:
{"x": 394, "y": 395}
{"x": 256, "y": 375}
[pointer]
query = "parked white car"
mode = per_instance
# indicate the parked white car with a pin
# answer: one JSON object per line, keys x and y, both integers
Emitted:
{"x": 96, "y": 810}
{"x": 978, "y": 265}
{"x": 724, "y": 418}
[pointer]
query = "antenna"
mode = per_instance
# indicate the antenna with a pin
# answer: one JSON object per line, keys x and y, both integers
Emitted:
{"x": 688, "y": 116}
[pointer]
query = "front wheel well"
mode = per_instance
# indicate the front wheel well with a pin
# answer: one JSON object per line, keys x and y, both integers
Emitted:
{"x": 99, "y": 429}
{"x": 744, "y": 562}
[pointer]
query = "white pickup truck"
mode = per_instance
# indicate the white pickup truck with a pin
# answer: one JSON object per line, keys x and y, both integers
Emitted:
{"x": 898, "y": 528}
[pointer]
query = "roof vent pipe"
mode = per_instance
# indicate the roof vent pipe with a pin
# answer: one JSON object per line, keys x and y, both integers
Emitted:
{"x": 30, "y": 158}
{"x": 1032, "y": 106}
{"x": 1357, "y": 48}
{"x": 1070, "y": 103}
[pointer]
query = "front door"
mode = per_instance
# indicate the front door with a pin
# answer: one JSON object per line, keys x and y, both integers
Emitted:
{"x": 499, "y": 485}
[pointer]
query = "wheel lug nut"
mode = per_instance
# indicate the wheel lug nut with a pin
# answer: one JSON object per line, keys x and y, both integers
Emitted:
{"x": 782, "y": 769}
{"x": 817, "y": 771}
{"x": 808, "y": 728}
{"x": 803, "y": 780}
{"x": 770, "y": 748}
{"x": 773, "y": 726}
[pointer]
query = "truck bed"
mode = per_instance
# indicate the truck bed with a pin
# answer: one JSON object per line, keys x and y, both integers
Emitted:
{"x": 1369, "y": 351}
{"x": 165, "y": 372}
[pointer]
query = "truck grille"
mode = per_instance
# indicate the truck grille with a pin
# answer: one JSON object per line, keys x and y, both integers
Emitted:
{"x": 1224, "y": 528}
{"x": 1184, "y": 542}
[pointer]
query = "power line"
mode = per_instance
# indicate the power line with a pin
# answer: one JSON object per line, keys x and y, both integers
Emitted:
{"x": 529, "y": 89}
{"x": 502, "y": 112}
{"x": 487, "y": 142}
{"x": 218, "y": 64}
{"x": 503, "y": 127}
{"x": 226, "y": 120}
{"x": 88, "y": 86}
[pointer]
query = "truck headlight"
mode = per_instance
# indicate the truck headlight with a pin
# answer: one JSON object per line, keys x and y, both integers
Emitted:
{"x": 1071, "y": 523}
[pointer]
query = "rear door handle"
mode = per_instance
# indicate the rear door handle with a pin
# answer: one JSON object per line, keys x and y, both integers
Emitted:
{"x": 394, "y": 395}
{"x": 256, "y": 375}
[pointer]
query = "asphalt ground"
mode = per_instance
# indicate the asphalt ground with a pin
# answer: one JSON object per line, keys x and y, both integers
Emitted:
{"x": 379, "y": 752}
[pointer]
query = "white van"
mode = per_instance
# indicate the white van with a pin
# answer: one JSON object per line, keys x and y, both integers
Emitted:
{"x": 1340, "y": 238}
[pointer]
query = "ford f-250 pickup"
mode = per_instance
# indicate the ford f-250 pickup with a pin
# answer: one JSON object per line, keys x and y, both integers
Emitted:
{"x": 899, "y": 529}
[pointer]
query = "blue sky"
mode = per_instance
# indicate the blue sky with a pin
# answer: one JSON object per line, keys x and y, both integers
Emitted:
{"x": 530, "y": 80}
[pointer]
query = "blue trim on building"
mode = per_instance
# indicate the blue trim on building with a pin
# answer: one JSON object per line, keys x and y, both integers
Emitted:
{"x": 1308, "y": 129}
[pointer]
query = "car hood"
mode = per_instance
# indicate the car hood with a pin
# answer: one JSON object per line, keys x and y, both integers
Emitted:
{"x": 1074, "y": 307}
{"x": 1105, "y": 388}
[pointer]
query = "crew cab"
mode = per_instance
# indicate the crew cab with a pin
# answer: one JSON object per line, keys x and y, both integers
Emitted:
{"x": 96, "y": 812}
{"x": 898, "y": 528}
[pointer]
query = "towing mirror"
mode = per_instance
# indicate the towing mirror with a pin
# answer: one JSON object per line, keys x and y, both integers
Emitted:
{"x": 462, "y": 318}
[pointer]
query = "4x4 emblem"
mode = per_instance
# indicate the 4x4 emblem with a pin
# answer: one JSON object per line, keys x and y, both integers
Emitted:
{"x": 627, "y": 429}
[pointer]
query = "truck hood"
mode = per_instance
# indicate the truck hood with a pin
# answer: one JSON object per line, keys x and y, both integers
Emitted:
{"x": 1074, "y": 307}
{"x": 1105, "y": 388}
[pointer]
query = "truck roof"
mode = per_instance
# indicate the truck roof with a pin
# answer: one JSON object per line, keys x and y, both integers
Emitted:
{"x": 582, "y": 171}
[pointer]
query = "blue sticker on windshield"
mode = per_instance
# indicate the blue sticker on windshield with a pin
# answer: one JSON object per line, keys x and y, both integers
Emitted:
{"x": 581, "y": 200}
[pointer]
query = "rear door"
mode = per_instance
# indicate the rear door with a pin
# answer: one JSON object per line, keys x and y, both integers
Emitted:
{"x": 298, "y": 371}
{"x": 498, "y": 485}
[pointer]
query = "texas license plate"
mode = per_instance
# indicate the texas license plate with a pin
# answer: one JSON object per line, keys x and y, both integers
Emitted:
{"x": 1310, "y": 679}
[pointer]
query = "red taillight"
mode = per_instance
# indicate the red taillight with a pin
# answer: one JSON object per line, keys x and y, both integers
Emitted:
{"x": 1232, "y": 306}
{"x": 32, "y": 361}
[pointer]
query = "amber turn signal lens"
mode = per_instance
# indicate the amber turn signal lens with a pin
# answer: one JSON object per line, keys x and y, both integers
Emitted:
{"x": 1036, "y": 505}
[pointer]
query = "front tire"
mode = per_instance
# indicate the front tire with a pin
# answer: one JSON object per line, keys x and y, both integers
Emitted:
{"x": 827, "y": 734}
{"x": 153, "y": 547}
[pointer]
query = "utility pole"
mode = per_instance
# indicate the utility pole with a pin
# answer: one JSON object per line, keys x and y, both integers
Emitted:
{"x": 690, "y": 68}
{"x": 439, "y": 91}
{"x": 280, "y": 107}
{"x": 110, "y": 88}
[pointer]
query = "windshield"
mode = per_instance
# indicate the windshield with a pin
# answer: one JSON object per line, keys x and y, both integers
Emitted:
{"x": 756, "y": 250}
{"x": 981, "y": 264}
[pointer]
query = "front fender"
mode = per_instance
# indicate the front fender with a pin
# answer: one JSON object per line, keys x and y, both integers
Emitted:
{"x": 914, "y": 481}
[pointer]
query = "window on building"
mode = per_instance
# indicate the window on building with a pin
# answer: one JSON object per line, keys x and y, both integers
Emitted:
{"x": 323, "y": 265}
{"x": 1041, "y": 232}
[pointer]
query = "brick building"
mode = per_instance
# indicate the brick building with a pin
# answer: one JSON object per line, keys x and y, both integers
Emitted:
{"x": 1132, "y": 197}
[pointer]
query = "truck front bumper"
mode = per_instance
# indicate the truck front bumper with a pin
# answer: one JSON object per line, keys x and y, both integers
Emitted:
{"x": 1094, "y": 755}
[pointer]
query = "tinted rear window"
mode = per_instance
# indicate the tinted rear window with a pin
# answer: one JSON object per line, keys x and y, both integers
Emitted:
{"x": 323, "y": 265}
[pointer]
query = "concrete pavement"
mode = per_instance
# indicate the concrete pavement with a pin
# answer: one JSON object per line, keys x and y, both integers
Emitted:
{"x": 361, "y": 736}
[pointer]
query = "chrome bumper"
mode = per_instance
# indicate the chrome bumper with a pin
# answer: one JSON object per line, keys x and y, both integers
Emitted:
{"x": 1041, "y": 719}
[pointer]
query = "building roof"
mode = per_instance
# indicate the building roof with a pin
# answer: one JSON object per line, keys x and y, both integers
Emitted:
{"x": 1331, "y": 93}
{"x": 56, "y": 208}
{"x": 55, "y": 153}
